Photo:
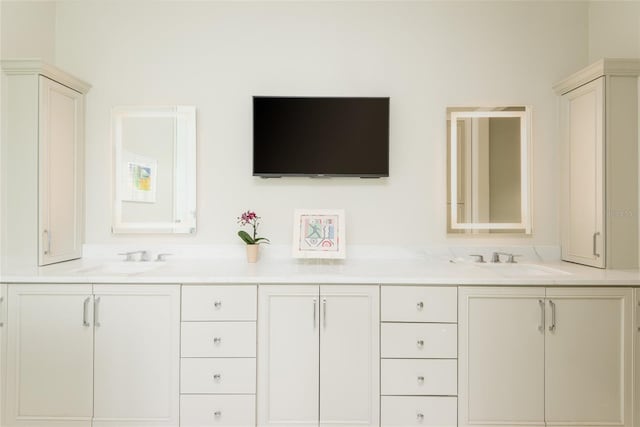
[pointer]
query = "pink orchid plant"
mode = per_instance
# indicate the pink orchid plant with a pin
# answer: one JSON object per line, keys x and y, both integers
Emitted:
{"x": 250, "y": 218}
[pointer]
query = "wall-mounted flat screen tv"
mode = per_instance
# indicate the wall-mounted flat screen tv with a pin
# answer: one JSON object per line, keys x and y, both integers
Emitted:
{"x": 320, "y": 136}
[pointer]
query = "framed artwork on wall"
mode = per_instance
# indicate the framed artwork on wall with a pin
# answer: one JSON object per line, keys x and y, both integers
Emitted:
{"x": 319, "y": 233}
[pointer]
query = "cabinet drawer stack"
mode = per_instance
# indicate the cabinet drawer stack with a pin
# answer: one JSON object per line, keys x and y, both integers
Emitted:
{"x": 419, "y": 350}
{"x": 218, "y": 355}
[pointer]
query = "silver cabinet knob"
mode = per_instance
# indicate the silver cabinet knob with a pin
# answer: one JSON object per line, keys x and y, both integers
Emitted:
{"x": 217, "y": 304}
{"x": 420, "y": 306}
{"x": 420, "y": 343}
{"x": 217, "y": 340}
{"x": 217, "y": 377}
{"x": 217, "y": 414}
{"x": 420, "y": 379}
{"x": 420, "y": 416}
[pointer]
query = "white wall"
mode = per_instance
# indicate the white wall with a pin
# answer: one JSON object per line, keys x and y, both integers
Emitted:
{"x": 614, "y": 29}
{"x": 28, "y": 29}
{"x": 424, "y": 55}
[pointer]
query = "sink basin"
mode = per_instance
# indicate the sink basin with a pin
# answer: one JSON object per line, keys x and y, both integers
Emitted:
{"x": 519, "y": 270}
{"x": 116, "y": 268}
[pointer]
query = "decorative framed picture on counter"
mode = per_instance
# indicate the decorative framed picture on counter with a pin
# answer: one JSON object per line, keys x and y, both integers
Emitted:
{"x": 319, "y": 233}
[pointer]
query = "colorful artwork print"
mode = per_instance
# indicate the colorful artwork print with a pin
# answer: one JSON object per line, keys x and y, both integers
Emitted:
{"x": 141, "y": 177}
{"x": 319, "y": 233}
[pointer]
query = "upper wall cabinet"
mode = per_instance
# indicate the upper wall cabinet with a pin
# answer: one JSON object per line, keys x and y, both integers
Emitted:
{"x": 154, "y": 169}
{"x": 42, "y": 163}
{"x": 489, "y": 172}
{"x": 599, "y": 140}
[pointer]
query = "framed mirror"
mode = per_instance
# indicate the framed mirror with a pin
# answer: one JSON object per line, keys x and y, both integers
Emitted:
{"x": 154, "y": 169}
{"x": 489, "y": 170}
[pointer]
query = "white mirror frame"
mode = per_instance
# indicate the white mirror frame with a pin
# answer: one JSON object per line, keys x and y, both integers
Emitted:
{"x": 525, "y": 169}
{"x": 185, "y": 175}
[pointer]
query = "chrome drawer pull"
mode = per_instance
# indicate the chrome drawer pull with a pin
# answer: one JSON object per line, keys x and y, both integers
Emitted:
{"x": 420, "y": 343}
{"x": 315, "y": 302}
{"x": 217, "y": 304}
{"x": 420, "y": 306}
{"x": 541, "y": 325}
{"x": 595, "y": 249}
{"x": 96, "y": 312}
{"x": 217, "y": 340}
{"x": 217, "y": 377}
{"x": 420, "y": 416}
{"x": 217, "y": 414}
{"x": 552, "y": 327}
{"x": 420, "y": 379}
{"x": 85, "y": 312}
{"x": 1, "y": 302}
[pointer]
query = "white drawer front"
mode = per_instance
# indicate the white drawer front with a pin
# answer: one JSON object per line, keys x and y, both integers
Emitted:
{"x": 419, "y": 340}
{"x": 419, "y": 304}
{"x": 406, "y": 411}
{"x": 434, "y": 377}
{"x": 211, "y": 302}
{"x": 218, "y": 339}
{"x": 217, "y": 410}
{"x": 218, "y": 376}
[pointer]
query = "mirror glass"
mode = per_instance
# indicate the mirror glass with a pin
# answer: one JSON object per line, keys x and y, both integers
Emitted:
{"x": 155, "y": 169}
{"x": 488, "y": 170}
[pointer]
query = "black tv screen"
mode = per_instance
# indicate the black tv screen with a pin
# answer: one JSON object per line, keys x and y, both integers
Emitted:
{"x": 298, "y": 136}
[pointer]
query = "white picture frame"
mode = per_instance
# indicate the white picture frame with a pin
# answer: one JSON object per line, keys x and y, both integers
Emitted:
{"x": 319, "y": 233}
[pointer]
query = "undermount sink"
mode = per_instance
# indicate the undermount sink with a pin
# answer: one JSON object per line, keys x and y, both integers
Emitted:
{"x": 517, "y": 269}
{"x": 126, "y": 268}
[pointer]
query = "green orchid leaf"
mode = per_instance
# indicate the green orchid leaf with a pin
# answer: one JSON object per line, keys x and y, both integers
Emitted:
{"x": 246, "y": 237}
{"x": 262, "y": 240}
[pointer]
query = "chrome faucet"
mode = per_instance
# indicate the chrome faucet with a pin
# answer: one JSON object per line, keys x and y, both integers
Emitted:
{"x": 495, "y": 257}
{"x": 144, "y": 255}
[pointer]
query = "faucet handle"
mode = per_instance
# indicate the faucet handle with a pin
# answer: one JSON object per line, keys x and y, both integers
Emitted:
{"x": 510, "y": 258}
{"x": 479, "y": 258}
{"x": 162, "y": 257}
{"x": 129, "y": 255}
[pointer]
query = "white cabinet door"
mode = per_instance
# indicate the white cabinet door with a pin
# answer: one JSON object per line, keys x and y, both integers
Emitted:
{"x": 137, "y": 355}
{"x": 50, "y": 355}
{"x": 637, "y": 355}
{"x": 501, "y": 356}
{"x": 288, "y": 355}
{"x": 588, "y": 357}
{"x": 349, "y": 355}
{"x": 583, "y": 152}
{"x": 60, "y": 172}
{"x": 3, "y": 346}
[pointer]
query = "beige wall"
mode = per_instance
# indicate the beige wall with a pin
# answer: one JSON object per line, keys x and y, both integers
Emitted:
{"x": 28, "y": 29}
{"x": 614, "y": 29}
{"x": 424, "y": 55}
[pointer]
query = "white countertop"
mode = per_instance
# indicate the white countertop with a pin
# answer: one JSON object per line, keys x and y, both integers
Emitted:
{"x": 420, "y": 269}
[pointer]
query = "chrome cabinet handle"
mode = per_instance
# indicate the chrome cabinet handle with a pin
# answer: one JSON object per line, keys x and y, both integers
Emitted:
{"x": 217, "y": 377}
{"x": 85, "y": 312}
{"x": 552, "y": 327}
{"x": 542, "y": 306}
{"x": 420, "y": 379}
{"x": 420, "y": 343}
{"x": 96, "y": 312}
{"x": 217, "y": 304}
{"x": 324, "y": 312}
{"x": 1, "y": 315}
{"x": 217, "y": 340}
{"x": 420, "y": 306}
{"x": 420, "y": 416}
{"x": 217, "y": 414}
{"x": 315, "y": 303}
{"x": 595, "y": 236}
{"x": 46, "y": 233}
